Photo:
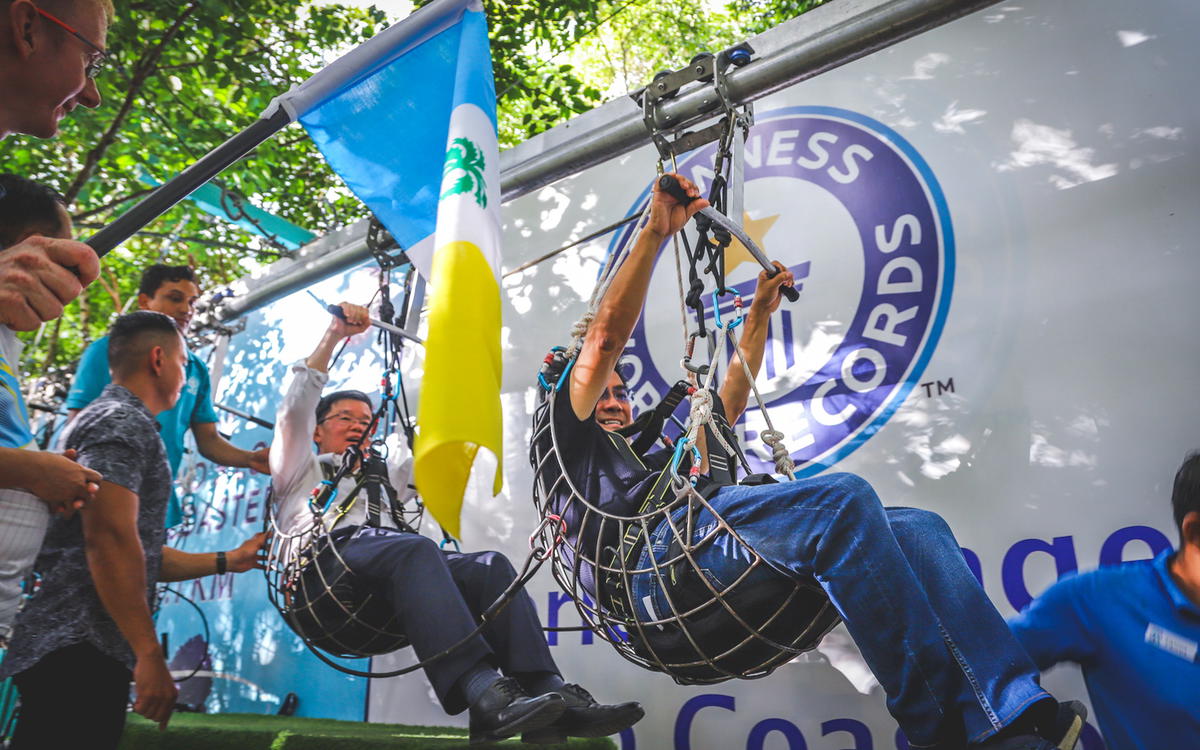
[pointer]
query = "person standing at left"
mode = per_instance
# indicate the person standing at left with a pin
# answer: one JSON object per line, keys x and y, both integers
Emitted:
{"x": 49, "y": 58}
{"x": 89, "y": 628}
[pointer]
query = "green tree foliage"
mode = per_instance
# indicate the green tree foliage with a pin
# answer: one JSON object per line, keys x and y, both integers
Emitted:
{"x": 190, "y": 74}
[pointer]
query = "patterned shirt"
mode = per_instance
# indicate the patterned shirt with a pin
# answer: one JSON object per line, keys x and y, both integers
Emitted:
{"x": 117, "y": 436}
{"x": 193, "y": 407}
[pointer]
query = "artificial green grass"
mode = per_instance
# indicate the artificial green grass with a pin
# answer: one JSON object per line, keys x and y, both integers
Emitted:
{"x": 258, "y": 732}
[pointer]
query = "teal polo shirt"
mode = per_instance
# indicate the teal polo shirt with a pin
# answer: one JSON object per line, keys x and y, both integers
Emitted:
{"x": 1136, "y": 636}
{"x": 194, "y": 406}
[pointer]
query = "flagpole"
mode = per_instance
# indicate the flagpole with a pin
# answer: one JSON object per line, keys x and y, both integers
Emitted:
{"x": 183, "y": 184}
{"x": 282, "y": 111}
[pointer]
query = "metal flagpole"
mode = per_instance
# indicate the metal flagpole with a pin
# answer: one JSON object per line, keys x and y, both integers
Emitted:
{"x": 282, "y": 111}
{"x": 182, "y": 185}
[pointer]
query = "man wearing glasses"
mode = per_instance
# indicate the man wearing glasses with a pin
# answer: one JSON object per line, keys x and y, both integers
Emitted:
{"x": 436, "y": 595}
{"x": 49, "y": 56}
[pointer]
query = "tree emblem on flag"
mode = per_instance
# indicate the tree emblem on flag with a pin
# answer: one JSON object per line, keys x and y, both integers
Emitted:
{"x": 465, "y": 158}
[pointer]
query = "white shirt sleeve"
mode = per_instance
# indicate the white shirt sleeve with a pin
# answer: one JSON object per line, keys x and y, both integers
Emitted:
{"x": 292, "y": 458}
{"x": 400, "y": 469}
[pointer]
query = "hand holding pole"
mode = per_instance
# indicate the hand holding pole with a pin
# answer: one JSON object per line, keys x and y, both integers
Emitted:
{"x": 668, "y": 184}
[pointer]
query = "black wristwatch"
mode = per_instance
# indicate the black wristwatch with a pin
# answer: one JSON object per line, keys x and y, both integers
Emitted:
{"x": 222, "y": 563}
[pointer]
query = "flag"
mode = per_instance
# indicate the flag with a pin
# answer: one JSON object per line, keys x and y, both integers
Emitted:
{"x": 411, "y": 129}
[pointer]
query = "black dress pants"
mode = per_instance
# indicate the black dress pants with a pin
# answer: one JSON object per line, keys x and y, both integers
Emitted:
{"x": 438, "y": 597}
{"x": 74, "y": 697}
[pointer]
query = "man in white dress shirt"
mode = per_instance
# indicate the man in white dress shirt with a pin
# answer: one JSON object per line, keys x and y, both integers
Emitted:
{"x": 437, "y": 596}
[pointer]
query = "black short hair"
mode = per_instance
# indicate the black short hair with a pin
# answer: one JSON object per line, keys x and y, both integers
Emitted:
{"x": 620, "y": 369}
{"x": 27, "y": 206}
{"x": 133, "y": 335}
{"x": 1185, "y": 497}
{"x": 328, "y": 400}
{"x": 159, "y": 274}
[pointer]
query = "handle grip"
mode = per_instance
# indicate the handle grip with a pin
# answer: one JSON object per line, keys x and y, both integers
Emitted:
{"x": 669, "y": 185}
{"x": 336, "y": 310}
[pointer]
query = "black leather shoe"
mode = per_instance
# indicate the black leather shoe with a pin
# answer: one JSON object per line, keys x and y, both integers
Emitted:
{"x": 1068, "y": 724}
{"x": 584, "y": 717}
{"x": 505, "y": 710}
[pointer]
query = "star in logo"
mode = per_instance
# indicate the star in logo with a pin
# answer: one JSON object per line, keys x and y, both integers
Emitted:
{"x": 737, "y": 253}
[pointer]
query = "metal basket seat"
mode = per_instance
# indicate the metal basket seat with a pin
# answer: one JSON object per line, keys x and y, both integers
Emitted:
{"x": 696, "y": 629}
{"x": 321, "y": 599}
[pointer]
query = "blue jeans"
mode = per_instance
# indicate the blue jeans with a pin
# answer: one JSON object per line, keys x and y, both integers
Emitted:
{"x": 951, "y": 668}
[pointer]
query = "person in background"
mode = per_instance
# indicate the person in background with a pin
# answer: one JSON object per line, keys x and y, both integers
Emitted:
{"x": 173, "y": 291}
{"x": 88, "y": 630}
{"x": 1134, "y": 629}
{"x": 32, "y": 483}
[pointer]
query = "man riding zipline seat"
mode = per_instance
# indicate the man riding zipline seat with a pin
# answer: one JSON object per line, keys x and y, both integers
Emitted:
{"x": 437, "y": 596}
{"x": 953, "y": 673}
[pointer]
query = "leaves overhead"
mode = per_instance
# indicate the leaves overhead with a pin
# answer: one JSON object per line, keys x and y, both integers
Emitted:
{"x": 191, "y": 74}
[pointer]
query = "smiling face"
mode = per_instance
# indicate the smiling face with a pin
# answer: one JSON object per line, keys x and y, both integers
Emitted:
{"x": 342, "y": 426}
{"x": 175, "y": 299}
{"x": 46, "y": 65}
{"x": 614, "y": 410}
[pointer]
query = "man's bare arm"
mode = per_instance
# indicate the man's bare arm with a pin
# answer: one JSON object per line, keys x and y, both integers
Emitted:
{"x": 356, "y": 321}
{"x": 55, "y": 478}
{"x": 735, "y": 391}
{"x": 118, "y": 565}
{"x": 178, "y": 565}
{"x": 224, "y": 453}
{"x": 622, "y": 304}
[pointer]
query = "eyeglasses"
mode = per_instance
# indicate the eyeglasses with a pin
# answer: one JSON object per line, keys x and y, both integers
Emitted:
{"x": 363, "y": 423}
{"x": 617, "y": 393}
{"x": 99, "y": 56}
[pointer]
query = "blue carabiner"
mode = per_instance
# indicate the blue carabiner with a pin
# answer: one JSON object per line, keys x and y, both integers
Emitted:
{"x": 451, "y": 540}
{"x": 677, "y": 456}
{"x": 717, "y": 313}
{"x": 329, "y": 502}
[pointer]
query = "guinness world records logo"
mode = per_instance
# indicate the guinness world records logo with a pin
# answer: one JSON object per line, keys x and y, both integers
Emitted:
{"x": 851, "y": 208}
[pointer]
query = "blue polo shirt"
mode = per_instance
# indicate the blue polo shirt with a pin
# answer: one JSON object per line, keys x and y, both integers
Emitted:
{"x": 1137, "y": 638}
{"x": 194, "y": 406}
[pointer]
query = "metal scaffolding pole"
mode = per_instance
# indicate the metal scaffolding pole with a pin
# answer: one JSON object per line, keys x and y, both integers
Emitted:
{"x": 824, "y": 38}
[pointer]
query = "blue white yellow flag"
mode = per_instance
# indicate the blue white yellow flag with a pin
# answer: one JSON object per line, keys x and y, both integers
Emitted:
{"x": 410, "y": 125}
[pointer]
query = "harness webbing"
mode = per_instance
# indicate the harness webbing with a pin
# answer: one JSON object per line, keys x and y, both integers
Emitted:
{"x": 373, "y": 477}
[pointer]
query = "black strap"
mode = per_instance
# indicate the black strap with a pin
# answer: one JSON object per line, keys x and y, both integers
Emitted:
{"x": 649, "y": 425}
{"x": 374, "y": 478}
{"x": 365, "y": 479}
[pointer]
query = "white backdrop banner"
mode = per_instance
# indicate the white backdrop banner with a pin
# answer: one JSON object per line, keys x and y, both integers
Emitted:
{"x": 993, "y": 228}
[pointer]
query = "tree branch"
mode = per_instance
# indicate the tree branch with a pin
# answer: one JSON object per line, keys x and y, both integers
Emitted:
{"x": 111, "y": 204}
{"x": 142, "y": 72}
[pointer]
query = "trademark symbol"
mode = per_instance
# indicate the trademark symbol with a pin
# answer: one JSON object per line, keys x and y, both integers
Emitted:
{"x": 946, "y": 387}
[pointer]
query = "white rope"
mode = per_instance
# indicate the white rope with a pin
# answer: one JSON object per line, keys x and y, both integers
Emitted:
{"x": 771, "y": 436}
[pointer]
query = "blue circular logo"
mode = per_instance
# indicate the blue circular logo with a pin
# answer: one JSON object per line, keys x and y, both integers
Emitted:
{"x": 856, "y": 214}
